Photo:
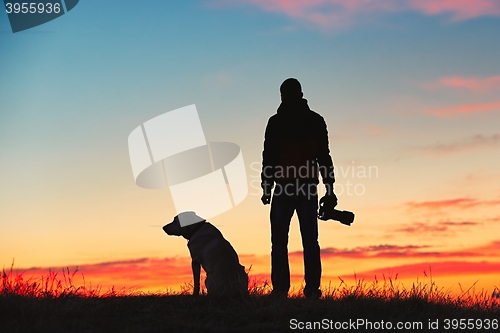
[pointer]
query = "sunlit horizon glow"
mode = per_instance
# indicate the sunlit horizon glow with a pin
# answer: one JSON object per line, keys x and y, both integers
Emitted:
{"x": 409, "y": 90}
{"x": 174, "y": 274}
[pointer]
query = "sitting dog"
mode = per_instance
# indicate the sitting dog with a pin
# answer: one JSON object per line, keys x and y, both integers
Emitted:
{"x": 209, "y": 249}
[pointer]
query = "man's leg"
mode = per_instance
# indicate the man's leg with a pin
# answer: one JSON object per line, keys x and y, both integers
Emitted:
{"x": 307, "y": 211}
{"x": 282, "y": 208}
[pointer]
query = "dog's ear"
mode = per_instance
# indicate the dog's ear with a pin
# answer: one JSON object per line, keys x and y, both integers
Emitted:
{"x": 189, "y": 230}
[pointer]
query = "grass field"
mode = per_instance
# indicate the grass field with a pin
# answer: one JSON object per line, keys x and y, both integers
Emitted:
{"x": 55, "y": 304}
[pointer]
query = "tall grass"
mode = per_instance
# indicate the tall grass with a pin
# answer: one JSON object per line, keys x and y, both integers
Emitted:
{"x": 390, "y": 289}
{"x": 52, "y": 285}
{"x": 62, "y": 284}
{"x": 56, "y": 303}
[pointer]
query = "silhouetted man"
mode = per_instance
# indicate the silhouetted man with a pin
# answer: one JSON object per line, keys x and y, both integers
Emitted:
{"x": 295, "y": 150}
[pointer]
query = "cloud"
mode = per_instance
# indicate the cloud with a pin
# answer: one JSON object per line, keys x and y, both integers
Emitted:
{"x": 461, "y": 203}
{"x": 319, "y": 13}
{"x": 391, "y": 251}
{"x": 463, "y": 146}
{"x": 147, "y": 274}
{"x": 491, "y": 249}
{"x": 144, "y": 273}
{"x": 458, "y": 9}
{"x": 468, "y": 83}
{"x": 386, "y": 251}
{"x": 463, "y": 109}
{"x": 343, "y": 13}
{"x": 445, "y": 227}
{"x": 375, "y": 130}
{"x": 444, "y": 268}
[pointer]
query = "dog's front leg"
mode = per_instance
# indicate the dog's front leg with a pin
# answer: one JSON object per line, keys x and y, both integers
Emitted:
{"x": 195, "y": 265}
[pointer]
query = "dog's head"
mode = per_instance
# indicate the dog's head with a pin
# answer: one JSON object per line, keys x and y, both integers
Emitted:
{"x": 185, "y": 225}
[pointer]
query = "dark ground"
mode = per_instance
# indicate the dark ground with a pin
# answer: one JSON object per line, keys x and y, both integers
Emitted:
{"x": 182, "y": 313}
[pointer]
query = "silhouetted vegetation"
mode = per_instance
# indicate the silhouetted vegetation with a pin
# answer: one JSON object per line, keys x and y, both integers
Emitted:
{"x": 55, "y": 304}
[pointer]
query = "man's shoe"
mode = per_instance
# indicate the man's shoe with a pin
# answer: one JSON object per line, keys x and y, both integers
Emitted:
{"x": 312, "y": 294}
{"x": 275, "y": 294}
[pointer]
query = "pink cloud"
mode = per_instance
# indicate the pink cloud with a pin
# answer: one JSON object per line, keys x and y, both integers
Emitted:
{"x": 474, "y": 84}
{"x": 461, "y": 203}
{"x": 459, "y": 9}
{"x": 342, "y": 13}
{"x": 324, "y": 13}
{"x": 463, "y": 109}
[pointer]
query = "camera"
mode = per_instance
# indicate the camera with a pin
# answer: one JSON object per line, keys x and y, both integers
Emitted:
{"x": 330, "y": 213}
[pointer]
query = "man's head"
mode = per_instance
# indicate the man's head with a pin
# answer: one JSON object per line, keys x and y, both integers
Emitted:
{"x": 291, "y": 90}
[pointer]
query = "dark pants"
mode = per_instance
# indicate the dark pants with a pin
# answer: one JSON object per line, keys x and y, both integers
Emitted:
{"x": 287, "y": 199}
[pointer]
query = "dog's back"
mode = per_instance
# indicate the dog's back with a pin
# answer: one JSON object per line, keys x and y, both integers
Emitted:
{"x": 220, "y": 261}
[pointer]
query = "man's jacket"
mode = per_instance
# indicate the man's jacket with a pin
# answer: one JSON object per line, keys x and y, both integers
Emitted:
{"x": 295, "y": 144}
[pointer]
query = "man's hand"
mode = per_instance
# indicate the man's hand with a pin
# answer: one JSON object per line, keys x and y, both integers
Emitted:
{"x": 266, "y": 198}
{"x": 329, "y": 200}
{"x": 266, "y": 192}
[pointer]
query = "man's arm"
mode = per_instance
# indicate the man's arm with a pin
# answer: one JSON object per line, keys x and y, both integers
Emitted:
{"x": 326, "y": 166}
{"x": 324, "y": 159}
{"x": 269, "y": 158}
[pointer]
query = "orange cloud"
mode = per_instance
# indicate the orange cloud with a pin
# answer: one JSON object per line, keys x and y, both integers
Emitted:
{"x": 342, "y": 13}
{"x": 145, "y": 273}
{"x": 461, "y": 203}
{"x": 491, "y": 249}
{"x": 445, "y": 268}
{"x": 385, "y": 251}
{"x": 450, "y": 111}
{"x": 445, "y": 227}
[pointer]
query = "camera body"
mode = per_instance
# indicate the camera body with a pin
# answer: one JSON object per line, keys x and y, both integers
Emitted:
{"x": 330, "y": 213}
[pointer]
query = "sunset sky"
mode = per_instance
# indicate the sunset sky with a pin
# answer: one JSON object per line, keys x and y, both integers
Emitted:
{"x": 410, "y": 90}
